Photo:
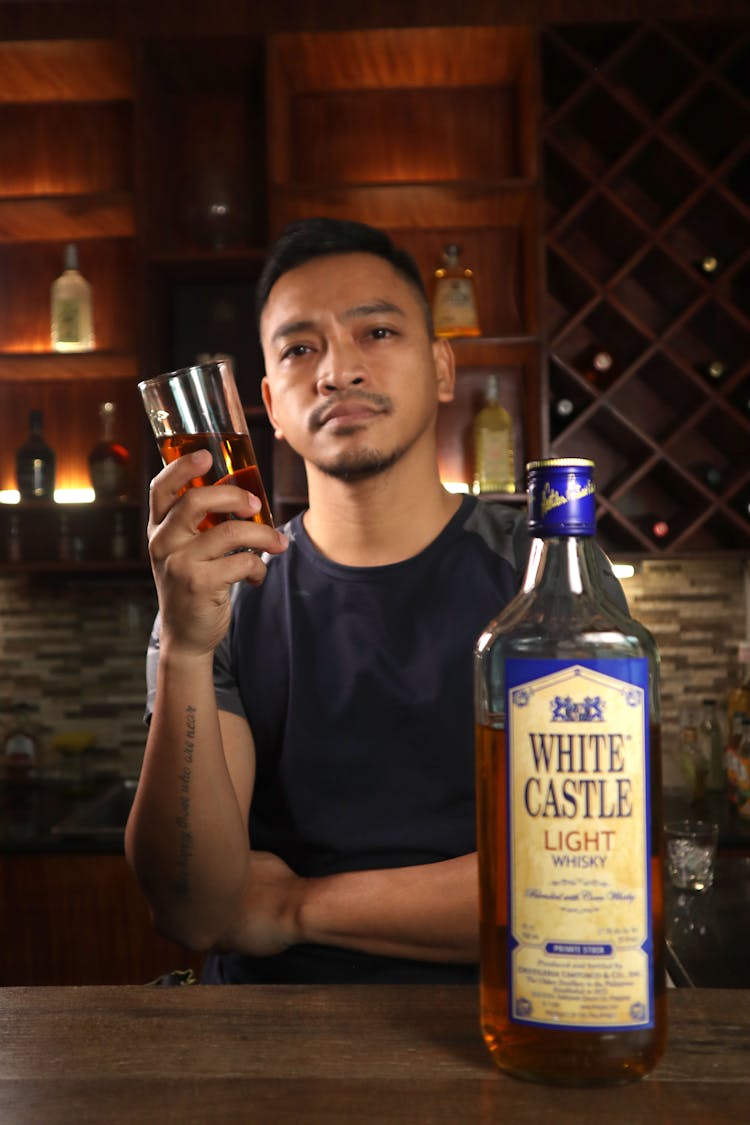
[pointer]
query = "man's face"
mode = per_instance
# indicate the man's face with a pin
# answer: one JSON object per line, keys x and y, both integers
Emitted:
{"x": 352, "y": 377}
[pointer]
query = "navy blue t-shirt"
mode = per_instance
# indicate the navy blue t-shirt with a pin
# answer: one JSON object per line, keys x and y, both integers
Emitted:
{"x": 357, "y": 683}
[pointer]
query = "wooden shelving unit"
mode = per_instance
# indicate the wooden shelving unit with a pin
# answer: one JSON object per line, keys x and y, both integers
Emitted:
{"x": 434, "y": 141}
{"x": 647, "y": 210}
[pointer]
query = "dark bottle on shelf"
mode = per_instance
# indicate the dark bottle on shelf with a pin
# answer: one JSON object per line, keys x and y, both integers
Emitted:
{"x": 109, "y": 460}
{"x": 35, "y": 463}
{"x": 714, "y": 370}
{"x": 708, "y": 265}
{"x": 596, "y": 365}
{"x": 562, "y": 413}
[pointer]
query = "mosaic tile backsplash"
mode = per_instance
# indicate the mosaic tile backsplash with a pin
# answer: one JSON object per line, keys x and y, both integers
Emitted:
{"x": 75, "y": 650}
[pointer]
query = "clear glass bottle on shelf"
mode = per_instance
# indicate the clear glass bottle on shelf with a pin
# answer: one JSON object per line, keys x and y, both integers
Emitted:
{"x": 71, "y": 315}
{"x": 109, "y": 460}
{"x": 492, "y": 439}
{"x": 713, "y": 746}
{"x": 454, "y": 301}
{"x": 569, "y": 811}
{"x": 35, "y": 463}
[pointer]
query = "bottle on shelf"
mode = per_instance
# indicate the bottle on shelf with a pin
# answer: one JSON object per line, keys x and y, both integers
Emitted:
{"x": 691, "y": 753}
{"x": 713, "y": 746}
{"x": 738, "y": 698}
{"x": 737, "y": 761}
{"x": 454, "y": 299}
{"x": 71, "y": 319}
{"x": 568, "y": 796}
{"x": 15, "y": 541}
{"x": 708, "y": 265}
{"x": 35, "y": 463}
{"x": 596, "y": 365}
{"x": 109, "y": 460}
{"x": 492, "y": 439}
{"x": 714, "y": 370}
{"x": 118, "y": 544}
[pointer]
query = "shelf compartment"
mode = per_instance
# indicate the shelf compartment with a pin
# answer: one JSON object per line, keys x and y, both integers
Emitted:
{"x": 714, "y": 450}
{"x": 737, "y": 69}
{"x": 712, "y": 335}
{"x": 710, "y": 228}
{"x": 656, "y": 290}
{"x": 56, "y": 535}
{"x": 613, "y": 447}
{"x": 561, "y": 75}
{"x": 66, "y": 218}
{"x": 217, "y": 201}
{"x": 711, "y": 124}
{"x": 28, "y": 269}
{"x": 395, "y": 87}
{"x": 717, "y": 532}
{"x": 707, "y": 39}
{"x": 657, "y": 397}
{"x": 454, "y": 424}
{"x": 740, "y": 398}
{"x": 65, "y": 70}
{"x": 60, "y": 149}
{"x": 604, "y": 329}
{"x": 740, "y": 505}
{"x": 652, "y": 72}
{"x": 568, "y": 398}
{"x": 567, "y": 293}
{"x": 737, "y": 179}
{"x": 654, "y": 183}
{"x": 601, "y": 239}
{"x": 71, "y": 425}
{"x": 596, "y": 132}
{"x": 595, "y": 42}
{"x": 739, "y": 289}
{"x": 661, "y": 495}
{"x": 563, "y": 185}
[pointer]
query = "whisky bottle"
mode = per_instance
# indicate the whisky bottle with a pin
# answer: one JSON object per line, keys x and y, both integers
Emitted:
{"x": 569, "y": 811}
{"x": 71, "y": 317}
{"x": 738, "y": 698}
{"x": 454, "y": 300}
{"x": 494, "y": 462}
{"x": 713, "y": 746}
{"x": 109, "y": 460}
{"x": 35, "y": 463}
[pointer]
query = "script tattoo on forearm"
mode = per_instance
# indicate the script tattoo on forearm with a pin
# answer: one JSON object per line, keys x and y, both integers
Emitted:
{"x": 183, "y": 820}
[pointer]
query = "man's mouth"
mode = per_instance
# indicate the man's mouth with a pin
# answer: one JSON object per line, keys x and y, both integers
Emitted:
{"x": 349, "y": 411}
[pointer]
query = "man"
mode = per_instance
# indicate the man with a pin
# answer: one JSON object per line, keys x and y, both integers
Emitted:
{"x": 319, "y": 689}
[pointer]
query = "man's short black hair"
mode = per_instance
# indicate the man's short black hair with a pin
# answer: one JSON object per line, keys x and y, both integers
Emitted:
{"x": 307, "y": 239}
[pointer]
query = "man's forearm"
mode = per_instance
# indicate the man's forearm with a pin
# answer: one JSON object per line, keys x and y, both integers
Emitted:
{"x": 186, "y": 837}
{"x": 429, "y": 912}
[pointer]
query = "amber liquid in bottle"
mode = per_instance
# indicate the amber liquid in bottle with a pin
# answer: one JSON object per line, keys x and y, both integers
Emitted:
{"x": 233, "y": 463}
{"x": 561, "y": 1057}
{"x": 568, "y": 769}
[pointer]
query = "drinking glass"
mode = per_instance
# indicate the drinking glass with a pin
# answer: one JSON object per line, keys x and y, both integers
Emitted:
{"x": 199, "y": 408}
{"x": 691, "y": 853}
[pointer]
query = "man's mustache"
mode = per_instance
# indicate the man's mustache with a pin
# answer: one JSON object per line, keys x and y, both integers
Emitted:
{"x": 381, "y": 404}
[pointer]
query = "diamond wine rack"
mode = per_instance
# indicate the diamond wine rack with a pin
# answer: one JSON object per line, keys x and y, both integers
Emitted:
{"x": 647, "y": 215}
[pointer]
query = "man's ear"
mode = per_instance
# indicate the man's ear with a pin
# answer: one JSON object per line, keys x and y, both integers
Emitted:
{"x": 265, "y": 390}
{"x": 445, "y": 369}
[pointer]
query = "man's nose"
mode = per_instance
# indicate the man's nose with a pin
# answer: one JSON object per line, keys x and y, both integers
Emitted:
{"x": 340, "y": 367}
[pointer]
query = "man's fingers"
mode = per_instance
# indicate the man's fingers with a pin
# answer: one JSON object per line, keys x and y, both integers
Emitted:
{"x": 167, "y": 485}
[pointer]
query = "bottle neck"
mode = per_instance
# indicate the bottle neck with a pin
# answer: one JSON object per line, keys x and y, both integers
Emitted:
{"x": 564, "y": 564}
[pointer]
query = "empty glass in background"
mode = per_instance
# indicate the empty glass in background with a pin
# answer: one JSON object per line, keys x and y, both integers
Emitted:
{"x": 199, "y": 408}
{"x": 691, "y": 853}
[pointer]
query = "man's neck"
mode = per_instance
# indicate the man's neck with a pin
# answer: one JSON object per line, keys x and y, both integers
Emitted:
{"x": 375, "y": 522}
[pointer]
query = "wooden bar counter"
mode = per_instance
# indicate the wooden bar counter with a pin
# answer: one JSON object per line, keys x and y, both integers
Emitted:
{"x": 348, "y": 1054}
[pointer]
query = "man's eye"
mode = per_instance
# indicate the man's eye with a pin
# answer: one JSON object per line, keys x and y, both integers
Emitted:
{"x": 294, "y": 351}
{"x": 381, "y": 333}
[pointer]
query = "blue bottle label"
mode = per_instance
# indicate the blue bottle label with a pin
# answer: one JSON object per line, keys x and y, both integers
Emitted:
{"x": 580, "y": 928}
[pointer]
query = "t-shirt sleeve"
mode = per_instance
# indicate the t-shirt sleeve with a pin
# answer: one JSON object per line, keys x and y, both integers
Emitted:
{"x": 227, "y": 692}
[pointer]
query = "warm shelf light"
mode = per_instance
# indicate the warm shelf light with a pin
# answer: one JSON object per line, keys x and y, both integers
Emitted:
{"x": 62, "y": 496}
{"x": 74, "y": 496}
